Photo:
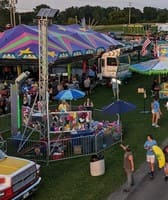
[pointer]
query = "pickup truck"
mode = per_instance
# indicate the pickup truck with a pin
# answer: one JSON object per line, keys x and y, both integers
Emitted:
{"x": 19, "y": 177}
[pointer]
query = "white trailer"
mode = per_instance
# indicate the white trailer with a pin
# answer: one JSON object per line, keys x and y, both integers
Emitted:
{"x": 114, "y": 64}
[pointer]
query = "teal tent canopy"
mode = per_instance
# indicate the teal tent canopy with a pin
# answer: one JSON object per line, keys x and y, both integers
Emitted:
{"x": 151, "y": 67}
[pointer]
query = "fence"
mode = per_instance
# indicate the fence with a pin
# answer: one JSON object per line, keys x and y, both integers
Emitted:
{"x": 65, "y": 148}
{"x": 62, "y": 145}
{"x": 3, "y": 145}
{"x": 5, "y": 123}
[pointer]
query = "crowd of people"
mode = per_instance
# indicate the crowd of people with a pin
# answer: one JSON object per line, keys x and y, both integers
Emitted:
{"x": 153, "y": 158}
{"x": 4, "y": 97}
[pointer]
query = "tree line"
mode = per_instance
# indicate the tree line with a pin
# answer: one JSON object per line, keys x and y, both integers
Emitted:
{"x": 94, "y": 15}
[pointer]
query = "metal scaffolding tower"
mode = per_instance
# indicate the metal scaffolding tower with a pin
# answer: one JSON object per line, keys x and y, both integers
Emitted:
{"x": 44, "y": 16}
{"x": 43, "y": 63}
{"x": 42, "y": 116}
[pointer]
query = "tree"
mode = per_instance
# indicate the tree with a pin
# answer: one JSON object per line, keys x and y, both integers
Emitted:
{"x": 97, "y": 15}
{"x": 136, "y": 15}
{"x": 162, "y": 15}
{"x": 150, "y": 14}
{"x": 4, "y": 4}
{"x": 4, "y": 16}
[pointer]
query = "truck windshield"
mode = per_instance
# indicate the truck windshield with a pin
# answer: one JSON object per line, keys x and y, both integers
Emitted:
{"x": 2, "y": 155}
{"x": 124, "y": 59}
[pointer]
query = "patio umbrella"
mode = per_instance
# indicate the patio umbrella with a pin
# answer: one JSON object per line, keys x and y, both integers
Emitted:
{"x": 118, "y": 107}
{"x": 69, "y": 94}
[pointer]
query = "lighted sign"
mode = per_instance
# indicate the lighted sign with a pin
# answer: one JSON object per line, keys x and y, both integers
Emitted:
{"x": 163, "y": 51}
{"x": 8, "y": 55}
{"x": 89, "y": 51}
{"x": 100, "y": 50}
{"x": 77, "y": 53}
{"x": 63, "y": 55}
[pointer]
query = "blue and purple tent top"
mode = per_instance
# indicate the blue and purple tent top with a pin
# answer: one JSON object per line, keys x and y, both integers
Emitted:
{"x": 21, "y": 42}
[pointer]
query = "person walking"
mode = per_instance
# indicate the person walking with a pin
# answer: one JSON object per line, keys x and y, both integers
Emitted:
{"x": 150, "y": 156}
{"x": 156, "y": 112}
{"x": 165, "y": 151}
{"x": 128, "y": 166}
{"x": 115, "y": 87}
{"x": 87, "y": 85}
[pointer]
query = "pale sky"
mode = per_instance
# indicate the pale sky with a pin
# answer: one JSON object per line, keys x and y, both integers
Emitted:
{"x": 28, "y": 5}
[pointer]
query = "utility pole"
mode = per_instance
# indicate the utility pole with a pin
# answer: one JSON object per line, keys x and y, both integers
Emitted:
{"x": 12, "y": 9}
{"x": 20, "y": 18}
{"x": 76, "y": 19}
{"x": 129, "y": 14}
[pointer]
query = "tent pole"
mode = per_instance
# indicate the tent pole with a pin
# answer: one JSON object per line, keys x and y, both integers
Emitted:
{"x": 69, "y": 71}
{"x": 159, "y": 79}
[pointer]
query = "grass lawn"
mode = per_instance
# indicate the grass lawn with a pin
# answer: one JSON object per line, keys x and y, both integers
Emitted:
{"x": 66, "y": 180}
{"x": 71, "y": 179}
{"x": 107, "y": 28}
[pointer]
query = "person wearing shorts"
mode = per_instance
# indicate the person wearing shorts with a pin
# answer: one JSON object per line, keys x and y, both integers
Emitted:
{"x": 156, "y": 112}
{"x": 150, "y": 156}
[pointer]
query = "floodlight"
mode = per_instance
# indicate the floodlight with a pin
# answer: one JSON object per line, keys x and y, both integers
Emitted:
{"x": 47, "y": 13}
{"x": 22, "y": 77}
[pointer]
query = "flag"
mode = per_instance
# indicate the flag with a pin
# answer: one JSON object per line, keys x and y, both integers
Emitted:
{"x": 155, "y": 49}
{"x": 144, "y": 47}
{"x": 83, "y": 22}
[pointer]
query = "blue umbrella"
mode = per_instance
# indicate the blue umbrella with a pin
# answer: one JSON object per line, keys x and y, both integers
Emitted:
{"x": 118, "y": 107}
{"x": 69, "y": 94}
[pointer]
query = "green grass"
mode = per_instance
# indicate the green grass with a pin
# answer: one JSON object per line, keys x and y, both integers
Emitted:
{"x": 66, "y": 180}
{"x": 71, "y": 179}
{"x": 107, "y": 28}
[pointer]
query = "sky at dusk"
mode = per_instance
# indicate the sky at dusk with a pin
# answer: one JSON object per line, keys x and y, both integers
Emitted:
{"x": 28, "y": 5}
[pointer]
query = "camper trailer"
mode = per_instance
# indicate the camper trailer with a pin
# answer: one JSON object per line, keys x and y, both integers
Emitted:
{"x": 114, "y": 64}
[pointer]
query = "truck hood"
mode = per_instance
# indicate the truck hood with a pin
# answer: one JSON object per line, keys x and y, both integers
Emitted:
{"x": 9, "y": 165}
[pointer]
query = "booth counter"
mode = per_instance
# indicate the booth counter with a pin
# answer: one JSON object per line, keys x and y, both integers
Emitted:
{"x": 80, "y": 135}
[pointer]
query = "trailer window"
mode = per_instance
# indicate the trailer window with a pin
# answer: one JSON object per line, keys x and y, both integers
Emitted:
{"x": 124, "y": 59}
{"x": 111, "y": 62}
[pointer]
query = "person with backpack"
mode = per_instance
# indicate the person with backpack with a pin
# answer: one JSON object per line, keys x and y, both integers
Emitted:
{"x": 165, "y": 151}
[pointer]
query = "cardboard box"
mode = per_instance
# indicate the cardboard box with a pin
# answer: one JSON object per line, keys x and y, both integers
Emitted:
{"x": 77, "y": 149}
